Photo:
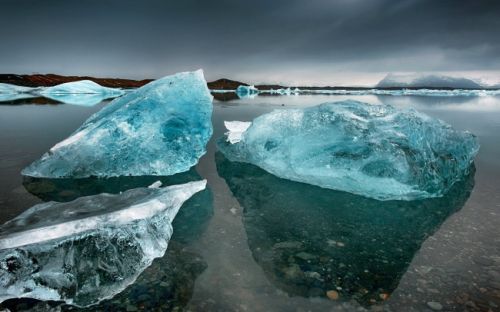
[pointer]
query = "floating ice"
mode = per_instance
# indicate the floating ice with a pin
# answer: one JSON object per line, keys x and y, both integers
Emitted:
{"x": 7, "y": 97}
{"x": 371, "y": 150}
{"x": 10, "y": 92}
{"x": 89, "y": 249}
{"x": 161, "y": 128}
{"x": 80, "y": 87}
{"x": 282, "y": 91}
{"x": 83, "y": 93}
{"x": 247, "y": 91}
{"x": 6, "y": 88}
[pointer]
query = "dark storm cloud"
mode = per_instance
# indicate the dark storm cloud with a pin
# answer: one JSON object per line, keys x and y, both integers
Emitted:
{"x": 254, "y": 39}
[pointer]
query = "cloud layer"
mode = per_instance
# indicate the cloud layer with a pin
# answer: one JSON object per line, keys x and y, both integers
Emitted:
{"x": 315, "y": 41}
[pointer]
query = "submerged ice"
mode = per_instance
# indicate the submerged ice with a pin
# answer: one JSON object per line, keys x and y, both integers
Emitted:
{"x": 372, "y": 150}
{"x": 161, "y": 128}
{"x": 89, "y": 249}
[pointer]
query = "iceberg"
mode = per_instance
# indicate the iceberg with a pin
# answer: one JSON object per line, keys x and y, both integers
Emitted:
{"x": 81, "y": 87}
{"x": 10, "y": 97}
{"x": 247, "y": 91}
{"x": 81, "y": 99}
{"x": 10, "y": 92}
{"x": 83, "y": 93}
{"x": 89, "y": 249}
{"x": 6, "y": 88}
{"x": 282, "y": 91}
{"x": 375, "y": 151}
{"x": 161, "y": 128}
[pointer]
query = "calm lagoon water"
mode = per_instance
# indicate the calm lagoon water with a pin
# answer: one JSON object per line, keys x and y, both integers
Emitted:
{"x": 255, "y": 242}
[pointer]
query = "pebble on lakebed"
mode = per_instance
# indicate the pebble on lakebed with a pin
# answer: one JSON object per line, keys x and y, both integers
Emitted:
{"x": 436, "y": 306}
{"x": 332, "y": 294}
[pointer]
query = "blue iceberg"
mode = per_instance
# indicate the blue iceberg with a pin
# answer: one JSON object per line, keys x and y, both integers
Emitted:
{"x": 247, "y": 91}
{"x": 161, "y": 128}
{"x": 83, "y": 93}
{"x": 6, "y": 88}
{"x": 89, "y": 249}
{"x": 80, "y": 87}
{"x": 372, "y": 150}
{"x": 283, "y": 91}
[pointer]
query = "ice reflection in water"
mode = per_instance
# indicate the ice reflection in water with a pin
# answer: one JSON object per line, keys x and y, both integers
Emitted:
{"x": 310, "y": 240}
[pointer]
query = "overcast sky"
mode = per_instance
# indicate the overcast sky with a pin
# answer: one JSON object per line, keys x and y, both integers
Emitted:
{"x": 346, "y": 42}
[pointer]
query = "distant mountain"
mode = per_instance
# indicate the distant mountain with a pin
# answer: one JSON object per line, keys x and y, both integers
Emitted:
{"x": 49, "y": 80}
{"x": 225, "y": 84}
{"x": 427, "y": 81}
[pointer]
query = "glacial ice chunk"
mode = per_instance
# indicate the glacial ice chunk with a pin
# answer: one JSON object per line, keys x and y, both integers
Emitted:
{"x": 282, "y": 91}
{"x": 6, "y": 88}
{"x": 89, "y": 249}
{"x": 80, "y": 87}
{"x": 83, "y": 93}
{"x": 372, "y": 150}
{"x": 80, "y": 99}
{"x": 7, "y": 97}
{"x": 247, "y": 91}
{"x": 161, "y": 128}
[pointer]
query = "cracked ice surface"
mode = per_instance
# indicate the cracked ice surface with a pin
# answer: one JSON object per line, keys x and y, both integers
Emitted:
{"x": 90, "y": 249}
{"x": 161, "y": 128}
{"x": 372, "y": 150}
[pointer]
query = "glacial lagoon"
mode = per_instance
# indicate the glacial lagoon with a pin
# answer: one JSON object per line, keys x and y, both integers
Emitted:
{"x": 254, "y": 242}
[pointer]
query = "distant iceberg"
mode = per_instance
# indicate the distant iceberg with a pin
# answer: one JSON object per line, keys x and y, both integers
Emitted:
{"x": 81, "y": 87}
{"x": 6, "y": 88}
{"x": 83, "y": 93}
{"x": 372, "y": 150}
{"x": 428, "y": 81}
{"x": 247, "y": 91}
{"x": 161, "y": 128}
{"x": 89, "y": 249}
{"x": 81, "y": 99}
{"x": 7, "y": 97}
{"x": 283, "y": 91}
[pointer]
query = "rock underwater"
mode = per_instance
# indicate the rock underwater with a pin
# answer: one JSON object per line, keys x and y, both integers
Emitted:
{"x": 89, "y": 249}
{"x": 375, "y": 151}
{"x": 161, "y": 128}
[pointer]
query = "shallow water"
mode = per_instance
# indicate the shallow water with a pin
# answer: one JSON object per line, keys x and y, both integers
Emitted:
{"x": 254, "y": 242}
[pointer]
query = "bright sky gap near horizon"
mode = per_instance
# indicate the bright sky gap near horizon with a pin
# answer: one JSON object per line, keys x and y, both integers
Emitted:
{"x": 319, "y": 42}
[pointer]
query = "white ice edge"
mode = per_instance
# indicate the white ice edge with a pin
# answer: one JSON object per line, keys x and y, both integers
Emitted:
{"x": 70, "y": 140}
{"x": 136, "y": 212}
{"x": 236, "y": 130}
